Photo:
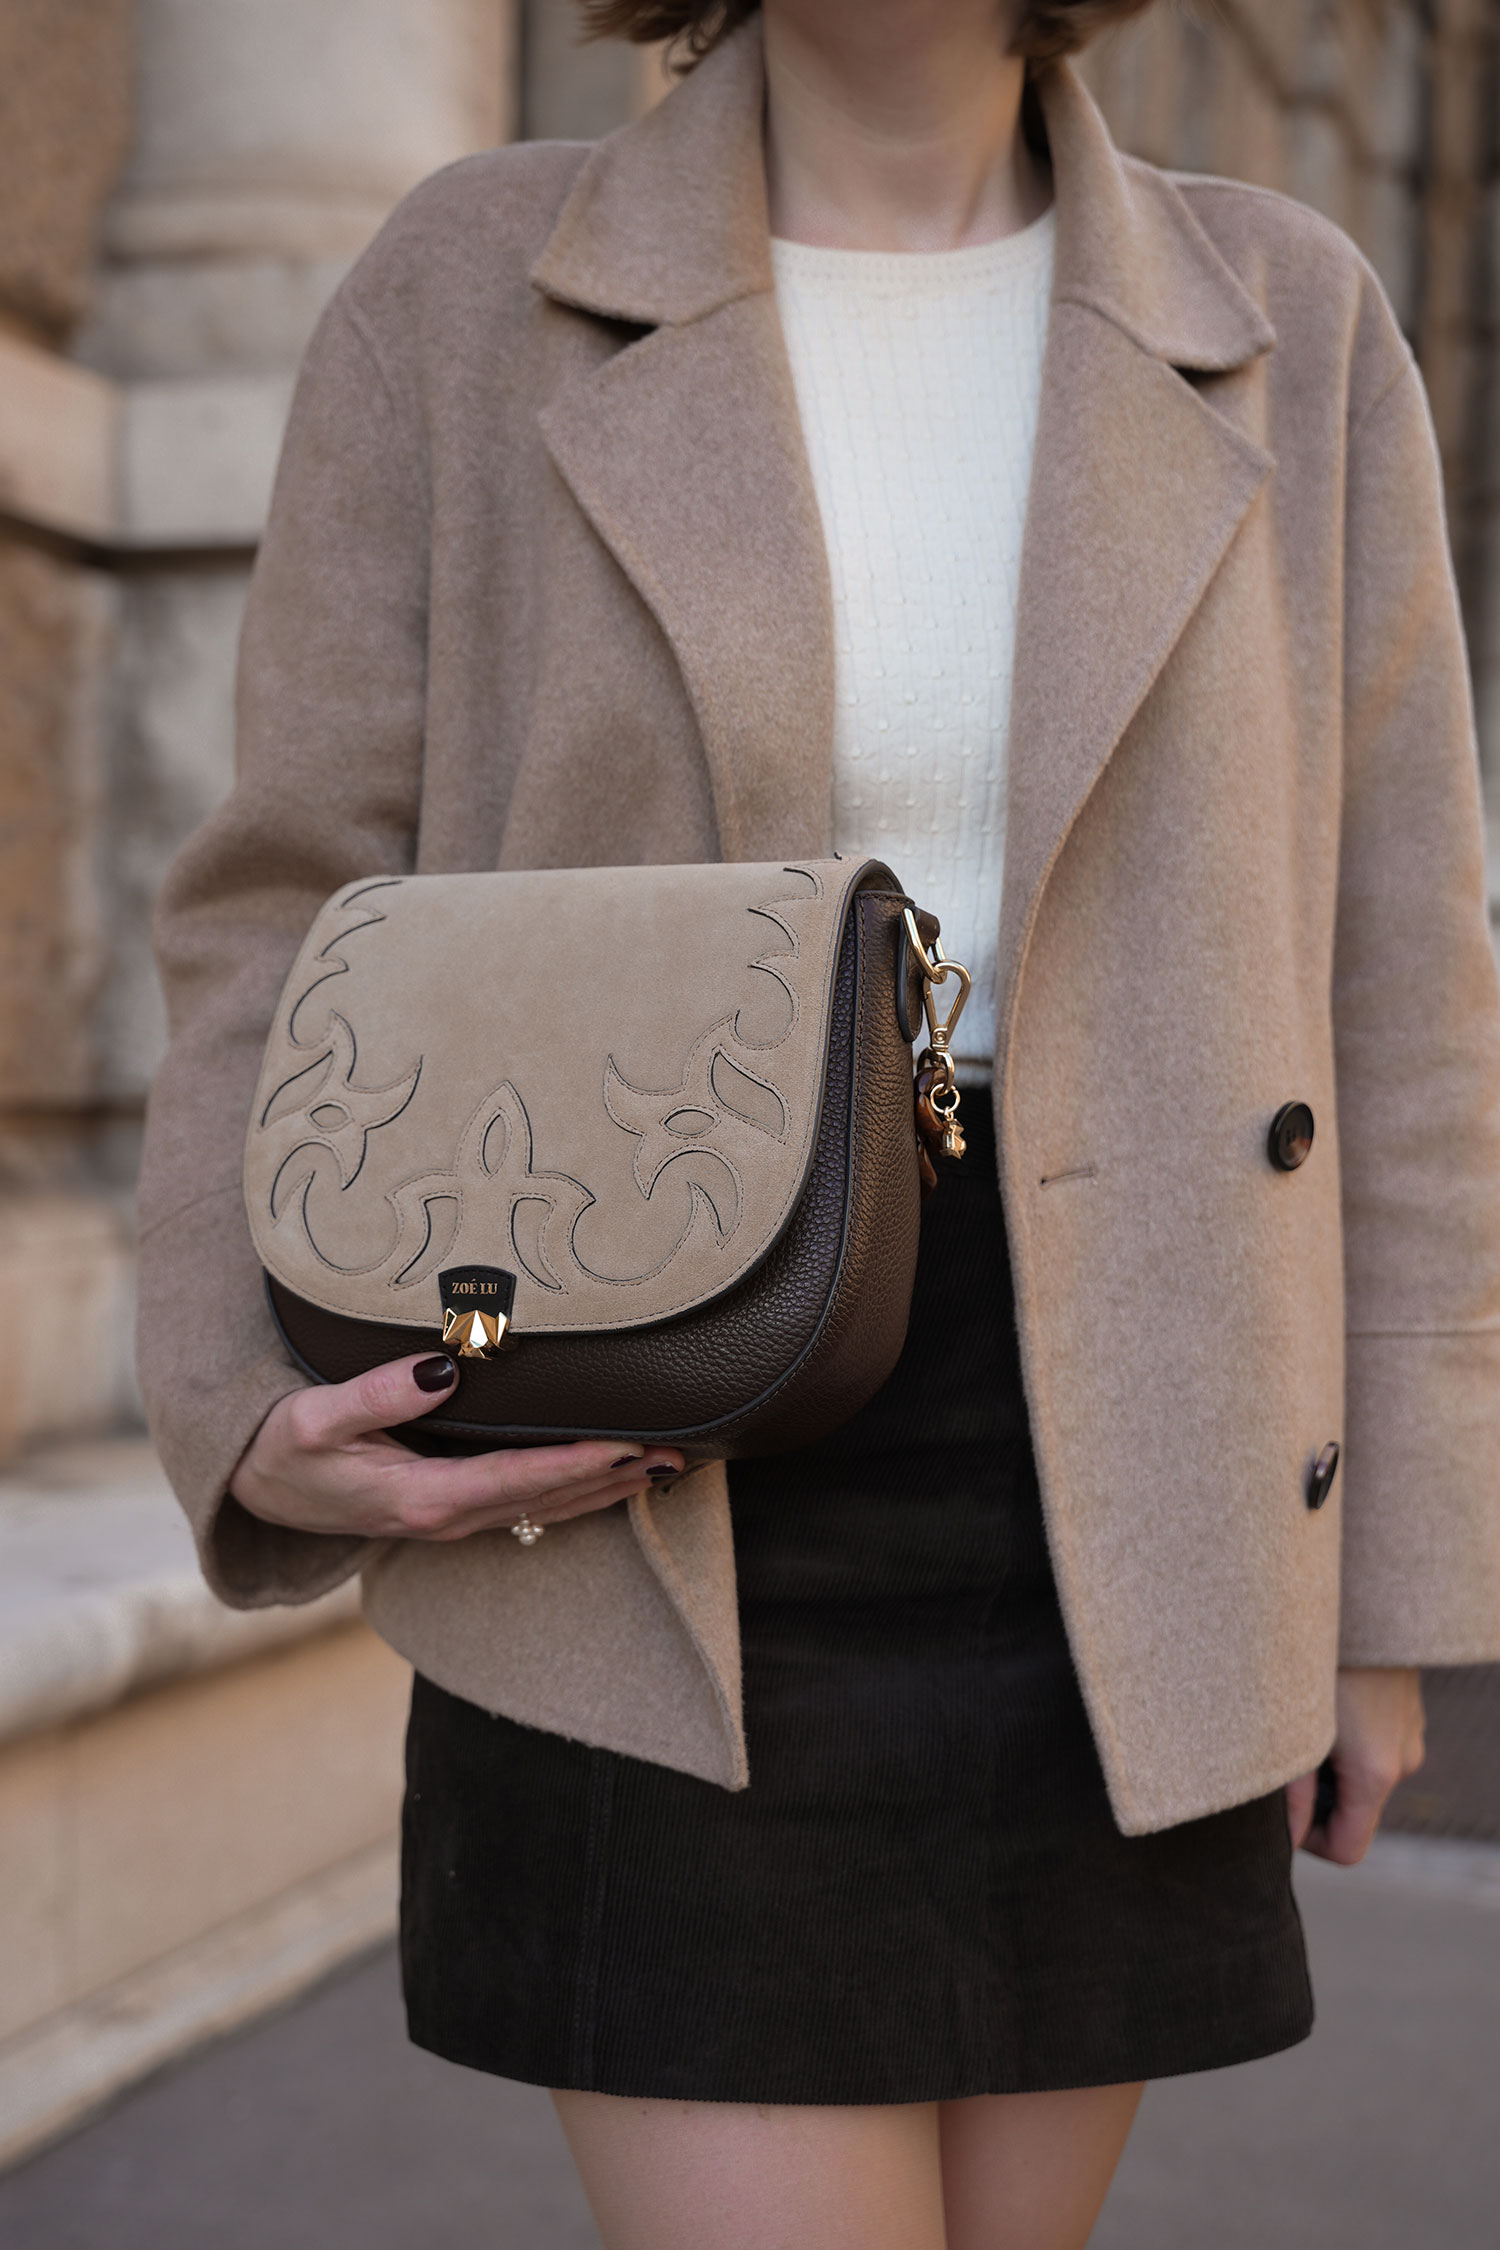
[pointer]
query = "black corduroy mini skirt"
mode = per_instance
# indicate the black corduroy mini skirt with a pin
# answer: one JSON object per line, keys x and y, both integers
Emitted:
{"x": 922, "y": 1895}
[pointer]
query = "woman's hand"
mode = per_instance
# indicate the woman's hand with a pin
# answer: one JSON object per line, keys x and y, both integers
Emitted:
{"x": 1378, "y": 1743}
{"x": 324, "y": 1460}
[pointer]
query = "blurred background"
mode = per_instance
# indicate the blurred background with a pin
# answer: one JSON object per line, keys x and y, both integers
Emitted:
{"x": 197, "y": 1810}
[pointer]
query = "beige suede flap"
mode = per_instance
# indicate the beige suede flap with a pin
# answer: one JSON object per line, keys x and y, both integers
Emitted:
{"x": 606, "y": 1080}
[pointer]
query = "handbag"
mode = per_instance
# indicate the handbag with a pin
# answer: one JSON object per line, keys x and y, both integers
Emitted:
{"x": 635, "y": 1145}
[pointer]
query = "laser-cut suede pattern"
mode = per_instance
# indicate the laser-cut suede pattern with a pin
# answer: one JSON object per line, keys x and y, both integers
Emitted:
{"x": 454, "y": 1051}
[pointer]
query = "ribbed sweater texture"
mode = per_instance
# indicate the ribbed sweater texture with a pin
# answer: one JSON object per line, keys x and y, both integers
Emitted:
{"x": 918, "y": 377}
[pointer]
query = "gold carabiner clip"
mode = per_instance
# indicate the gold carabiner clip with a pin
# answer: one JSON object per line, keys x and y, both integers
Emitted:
{"x": 937, "y": 1056}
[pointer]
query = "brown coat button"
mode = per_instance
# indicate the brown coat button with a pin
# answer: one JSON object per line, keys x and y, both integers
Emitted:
{"x": 1324, "y": 1470}
{"x": 1291, "y": 1137}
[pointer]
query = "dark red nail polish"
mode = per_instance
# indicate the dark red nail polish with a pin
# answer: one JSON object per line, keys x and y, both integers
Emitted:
{"x": 434, "y": 1374}
{"x": 662, "y": 1471}
{"x": 624, "y": 1461}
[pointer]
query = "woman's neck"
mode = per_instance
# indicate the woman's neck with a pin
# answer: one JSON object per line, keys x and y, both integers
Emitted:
{"x": 895, "y": 124}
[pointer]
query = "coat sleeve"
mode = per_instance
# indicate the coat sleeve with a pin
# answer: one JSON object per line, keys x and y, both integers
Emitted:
{"x": 328, "y": 765}
{"x": 1417, "y": 1049}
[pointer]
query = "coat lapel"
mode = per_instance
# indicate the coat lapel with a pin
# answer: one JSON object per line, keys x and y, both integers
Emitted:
{"x": 685, "y": 448}
{"x": 685, "y": 451}
{"x": 1138, "y": 484}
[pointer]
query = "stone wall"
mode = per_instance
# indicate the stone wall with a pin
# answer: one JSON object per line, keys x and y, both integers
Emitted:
{"x": 64, "y": 127}
{"x": 65, "y": 83}
{"x": 272, "y": 138}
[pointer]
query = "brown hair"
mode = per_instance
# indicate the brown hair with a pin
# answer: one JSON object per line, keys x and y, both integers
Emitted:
{"x": 1047, "y": 28}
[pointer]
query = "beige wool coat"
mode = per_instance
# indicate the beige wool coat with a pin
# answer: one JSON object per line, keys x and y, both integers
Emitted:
{"x": 544, "y": 585}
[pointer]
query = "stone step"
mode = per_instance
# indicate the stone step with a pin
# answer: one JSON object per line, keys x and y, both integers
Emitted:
{"x": 56, "y": 2073}
{"x": 198, "y": 1806}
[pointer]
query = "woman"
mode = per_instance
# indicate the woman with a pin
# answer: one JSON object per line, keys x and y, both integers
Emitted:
{"x": 665, "y": 502}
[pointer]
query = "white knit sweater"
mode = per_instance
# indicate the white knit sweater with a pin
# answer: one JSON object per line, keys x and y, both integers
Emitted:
{"x": 918, "y": 378}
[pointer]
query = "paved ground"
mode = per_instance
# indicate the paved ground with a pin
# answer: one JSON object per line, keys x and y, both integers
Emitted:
{"x": 322, "y": 2130}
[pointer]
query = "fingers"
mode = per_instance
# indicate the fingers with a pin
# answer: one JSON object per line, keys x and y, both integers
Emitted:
{"x": 1301, "y": 1795}
{"x": 1353, "y": 1821}
{"x": 545, "y": 1513}
{"x": 325, "y": 1459}
{"x": 452, "y": 1499}
{"x": 1414, "y": 1736}
{"x": 1364, "y": 1784}
{"x": 1379, "y": 1743}
{"x": 382, "y": 1398}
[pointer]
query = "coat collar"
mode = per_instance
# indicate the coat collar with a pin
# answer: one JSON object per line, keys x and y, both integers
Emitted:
{"x": 685, "y": 450}
{"x": 667, "y": 221}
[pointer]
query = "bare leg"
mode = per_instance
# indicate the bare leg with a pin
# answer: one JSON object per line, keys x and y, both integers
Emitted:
{"x": 1031, "y": 2171}
{"x": 687, "y": 2175}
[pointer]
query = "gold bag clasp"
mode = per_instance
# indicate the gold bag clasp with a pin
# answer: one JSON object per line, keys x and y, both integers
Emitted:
{"x": 477, "y": 1303}
{"x": 477, "y": 1306}
{"x": 475, "y": 1335}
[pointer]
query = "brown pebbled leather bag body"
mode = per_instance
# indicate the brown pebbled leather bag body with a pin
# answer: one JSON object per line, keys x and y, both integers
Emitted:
{"x": 636, "y": 1145}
